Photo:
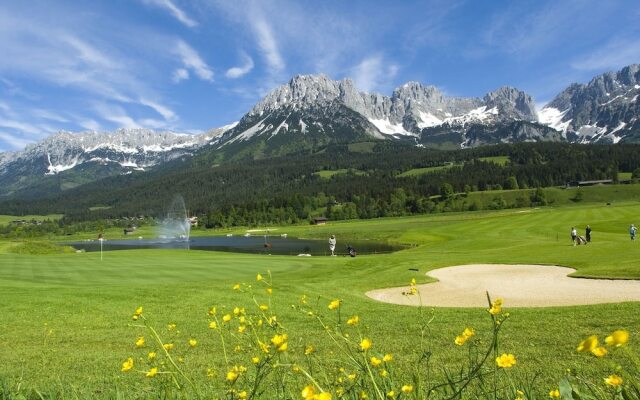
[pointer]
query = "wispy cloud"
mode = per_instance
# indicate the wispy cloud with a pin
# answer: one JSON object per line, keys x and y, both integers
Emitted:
{"x": 614, "y": 54}
{"x": 192, "y": 60}
{"x": 374, "y": 74}
{"x": 174, "y": 10}
{"x": 268, "y": 44}
{"x": 245, "y": 68}
{"x": 115, "y": 114}
{"x": 14, "y": 140}
{"x": 180, "y": 74}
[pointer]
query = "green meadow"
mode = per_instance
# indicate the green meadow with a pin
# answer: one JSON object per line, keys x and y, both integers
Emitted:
{"x": 67, "y": 326}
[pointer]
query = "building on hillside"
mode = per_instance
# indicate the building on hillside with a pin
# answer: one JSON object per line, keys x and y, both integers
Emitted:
{"x": 320, "y": 220}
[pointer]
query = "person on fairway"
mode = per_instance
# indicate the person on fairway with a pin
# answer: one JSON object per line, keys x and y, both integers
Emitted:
{"x": 574, "y": 235}
{"x": 587, "y": 233}
{"x": 632, "y": 232}
{"x": 332, "y": 244}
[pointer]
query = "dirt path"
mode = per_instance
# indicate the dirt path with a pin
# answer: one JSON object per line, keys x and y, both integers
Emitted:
{"x": 518, "y": 285}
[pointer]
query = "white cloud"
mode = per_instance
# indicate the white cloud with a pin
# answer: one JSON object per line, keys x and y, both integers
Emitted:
{"x": 166, "y": 113}
{"x": 245, "y": 68}
{"x": 90, "y": 124}
{"x": 192, "y": 60}
{"x": 115, "y": 114}
{"x": 373, "y": 74}
{"x": 612, "y": 56}
{"x": 51, "y": 116}
{"x": 268, "y": 44}
{"x": 20, "y": 126}
{"x": 174, "y": 10}
{"x": 180, "y": 74}
{"x": 14, "y": 141}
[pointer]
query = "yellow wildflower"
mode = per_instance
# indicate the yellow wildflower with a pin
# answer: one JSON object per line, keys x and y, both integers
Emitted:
{"x": 193, "y": 342}
{"x": 134, "y": 317}
{"x": 242, "y": 395}
{"x": 269, "y": 291}
{"x": 168, "y": 346}
{"x": 303, "y": 299}
{"x": 365, "y": 344}
{"x": 212, "y": 311}
{"x": 308, "y": 350}
{"x": 232, "y": 376}
{"x": 138, "y": 311}
{"x": 599, "y": 352}
{"x": 255, "y": 360}
{"x": 308, "y": 392}
{"x": 264, "y": 347}
{"x": 363, "y": 395}
{"x": 127, "y": 365}
{"x": 140, "y": 341}
{"x": 375, "y": 361}
{"x": 506, "y": 360}
{"x": 242, "y": 328}
{"x": 468, "y": 332}
{"x": 280, "y": 342}
{"x": 226, "y": 318}
{"x": 211, "y": 372}
{"x": 237, "y": 349}
{"x": 460, "y": 340}
{"x": 413, "y": 281}
{"x": 387, "y": 358}
{"x": 391, "y": 394}
{"x": 259, "y": 277}
{"x": 236, "y": 311}
{"x": 236, "y": 286}
{"x": 352, "y": 377}
{"x": 264, "y": 307}
{"x": 384, "y": 373}
{"x": 353, "y": 321}
{"x": 171, "y": 326}
{"x": 613, "y": 380}
{"x": 152, "y": 372}
{"x": 617, "y": 338}
{"x": 151, "y": 355}
{"x": 213, "y": 325}
{"x": 323, "y": 396}
{"x": 406, "y": 389}
{"x": 554, "y": 394}
{"x": 340, "y": 391}
{"x": 334, "y": 305}
{"x": 588, "y": 344}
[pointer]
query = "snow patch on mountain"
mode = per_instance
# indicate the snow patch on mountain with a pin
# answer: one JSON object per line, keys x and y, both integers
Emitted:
{"x": 553, "y": 117}
{"x": 385, "y": 126}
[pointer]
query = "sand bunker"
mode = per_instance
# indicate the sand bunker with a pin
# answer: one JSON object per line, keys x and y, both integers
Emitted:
{"x": 518, "y": 285}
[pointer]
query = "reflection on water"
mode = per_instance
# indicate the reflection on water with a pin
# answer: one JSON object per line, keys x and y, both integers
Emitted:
{"x": 243, "y": 244}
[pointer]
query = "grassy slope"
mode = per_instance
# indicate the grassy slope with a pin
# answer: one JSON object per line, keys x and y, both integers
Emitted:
{"x": 88, "y": 303}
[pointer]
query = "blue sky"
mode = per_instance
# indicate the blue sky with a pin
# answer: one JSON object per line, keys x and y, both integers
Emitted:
{"x": 192, "y": 65}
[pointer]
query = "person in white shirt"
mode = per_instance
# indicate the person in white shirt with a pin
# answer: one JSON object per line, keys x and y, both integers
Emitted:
{"x": 332, "y": 244}
{"x": 574, "y": 235}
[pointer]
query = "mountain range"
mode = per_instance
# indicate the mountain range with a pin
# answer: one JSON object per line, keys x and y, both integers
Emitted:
{"x": 312, "y": 111}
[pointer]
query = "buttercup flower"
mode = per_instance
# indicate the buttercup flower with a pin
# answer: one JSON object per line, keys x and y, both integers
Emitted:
{"x": 236, "y": 286}
{"x": 226, "y": 318}
{"x": 460, "y": 340}
{"x": 212, "y": 311}
{"x": 334, "y": 305}
{"x": 151, "y": 355}
{"x": 599, "y": 352}
{"x": 353, "y": 321}
{"x": 468, "y": 332}
{"x": 232, "y": 376}
{"x": 127, "y": 365}
{"x": 171, "y": 326}
{"x": 259, "y": 277}
{"x": 152, "y": 372}
{"x": 308, "y": 392}
{"x": 506, "y": 360}
{"x": 617, "y": 338}
{"x": 140, "y": 341}
{"x": 213, "y": 325}
{"x": 309, "y": 350}
{"x": 588, "y": 344}
{"x": 242, "y": 395}
{"x": 387, "y": 358}
{"x": 613, "y": 380}
{"x": 406, "y": 389}
{"x": 168, "y": 346}
{"x": 264, "y": 307}
{"x": 365, "y": 344}
{"x": 193, "y": 342}
{"x": 554, "y": 394}
{"x": 375, "y": 361}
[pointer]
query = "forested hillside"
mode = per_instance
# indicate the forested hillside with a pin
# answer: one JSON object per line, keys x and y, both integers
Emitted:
{"x": 363, "y": 180}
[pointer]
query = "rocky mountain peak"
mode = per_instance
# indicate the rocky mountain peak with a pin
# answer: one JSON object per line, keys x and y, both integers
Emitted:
{"x": 512, "y": 103}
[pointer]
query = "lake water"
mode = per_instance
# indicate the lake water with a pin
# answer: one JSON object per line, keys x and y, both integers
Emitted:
{"x": 243, "y": 244}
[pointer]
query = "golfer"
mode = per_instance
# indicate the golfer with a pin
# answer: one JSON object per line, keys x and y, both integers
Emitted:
{"x": 332, "y": 244}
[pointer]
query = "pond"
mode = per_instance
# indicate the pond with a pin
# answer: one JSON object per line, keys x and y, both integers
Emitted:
{"x": 243, "y": 244}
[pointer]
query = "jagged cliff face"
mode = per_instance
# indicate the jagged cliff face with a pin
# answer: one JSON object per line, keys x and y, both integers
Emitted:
{"x": 605, "y": 110}
{"x": 409, "y": 113}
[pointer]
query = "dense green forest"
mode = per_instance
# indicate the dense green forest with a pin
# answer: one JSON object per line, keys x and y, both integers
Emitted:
{"x": 362, "y": 180}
